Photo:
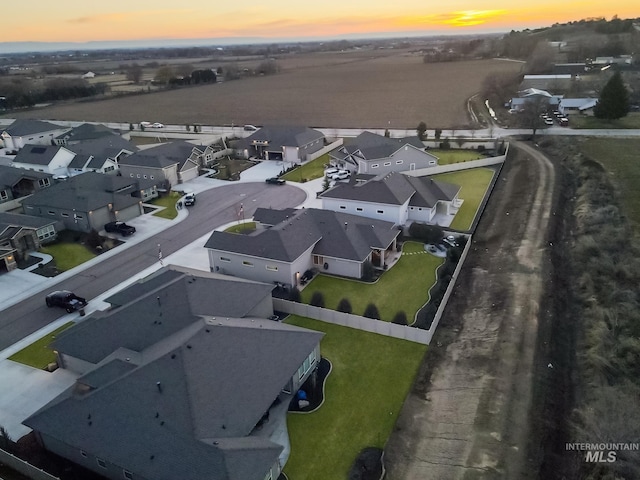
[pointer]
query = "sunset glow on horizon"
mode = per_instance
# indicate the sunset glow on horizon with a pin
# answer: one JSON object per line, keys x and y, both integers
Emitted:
{"x": 68, "y": 21}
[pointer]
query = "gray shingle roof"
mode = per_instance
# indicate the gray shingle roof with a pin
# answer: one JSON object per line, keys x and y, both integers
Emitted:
{"x": 104, "y": 147}
{"x": 390, "y": 189}
{"x": 161, "y": 156}
{"x": 24, "y": 220}
{"x": 10, "y": 176}
{"x": 21, "y": 128}
{"x": 429, "y": 191}
{"x": 373, "y": 146}
{"x": 37, "y": 154}
{"x": 285, "y": 136}
{"x": 87, "y": 131}
{"x": 325, "y": 229}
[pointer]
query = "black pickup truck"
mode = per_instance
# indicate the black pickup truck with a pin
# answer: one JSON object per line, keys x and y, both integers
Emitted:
{"x": 65, "y": 299}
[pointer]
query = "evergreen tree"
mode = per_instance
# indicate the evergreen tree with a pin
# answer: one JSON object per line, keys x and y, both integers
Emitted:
{"x": 614, "y": 99}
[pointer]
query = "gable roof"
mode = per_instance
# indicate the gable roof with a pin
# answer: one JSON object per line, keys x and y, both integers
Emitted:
{"x": 371, "y": 146}
{"x": 15, "y": 219}
{"x": 10, "y": 176}
{"x": 285, "y": 136}
{"x": 333, "y": 234}
{"x": 87, "y": 131}
{"x": 104, "y": 147}
{"x": 162, "y": 156}
{"x": 38, "y": 154}
{"x": 21, "y": 128}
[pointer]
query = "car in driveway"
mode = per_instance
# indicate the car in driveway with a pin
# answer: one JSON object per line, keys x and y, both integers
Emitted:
{"x": 331, "y": 171}
{"x": 275, "y": 181}
{"x": 65, "y": 299}
{"x": 120, "y": 227}
{"x": 189, "y": 199}
{"x": 341, "y": 175}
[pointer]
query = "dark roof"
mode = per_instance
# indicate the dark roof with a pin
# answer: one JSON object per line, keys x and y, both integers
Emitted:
{"x": 285, "y": 136}
{"x": 37, "y": 154}
{"x": 21, "y": 128}
{"x": 334, "y": 234}
{"x": 8, "y": 231}
{"x": 104, "y": 147}
{"x": 161, "y": 156}
{"x": 389, "y": 189}
{"x": 10, "y": 176}
{"x": 87, "y": 191}
{"x": 79, "y": 161}
{"x": 24, "y": 220}
{"x": 87, "y": 131}
{"x": 268, "y": 216}
{"x": 372, "y": 146}
{"x": 429, "y": 191}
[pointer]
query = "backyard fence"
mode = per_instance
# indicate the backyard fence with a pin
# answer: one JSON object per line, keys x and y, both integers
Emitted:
{"x": 322, "y": 151}
{"x": 456, "y": 167}
{"x": 24, "y": 468}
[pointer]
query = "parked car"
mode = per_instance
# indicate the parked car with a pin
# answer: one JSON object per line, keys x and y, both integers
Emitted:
{"x": 189, "y": 199}
{"x": 65, "y": 299}
{"x": 331, "y": 171}
{"x": 250, "y": 128}
{"x": 340, "y": 175}
{"x": 450, "y": 240}
{"x": 145, "y": 124}
{"x": 564, "y": 122}
{"x": 157, "y": 125}
{"x": 120, "y": 227}
{"x": 275, "y": 181}
{"x": 548, "y": 121}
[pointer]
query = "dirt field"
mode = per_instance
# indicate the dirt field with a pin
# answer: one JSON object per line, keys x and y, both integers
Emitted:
{"x": 363, "y": 89}
{"x": 468, "y": 414}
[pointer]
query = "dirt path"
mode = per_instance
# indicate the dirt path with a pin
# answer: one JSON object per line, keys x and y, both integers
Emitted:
{"x": 468, "y": 415}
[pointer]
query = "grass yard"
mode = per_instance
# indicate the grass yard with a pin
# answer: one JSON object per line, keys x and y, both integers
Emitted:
{"x": 169, "y": 202}
{"x": 37, "y": 354}
{"x": 246, "y": 227}
{"x": 371, "y": 377}
{"x": 68, "y": 254}
{"x": 621, "y": 157}
{"x": 308, "y": 171}
{"x": 474, "y": 183}
{"x": 632, "y": 120}
{"x": 405, "y": 286}
{"x": 447, "y": 157}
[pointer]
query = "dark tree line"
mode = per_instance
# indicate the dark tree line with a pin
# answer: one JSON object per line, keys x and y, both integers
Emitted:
{"x": 23, "y": 93}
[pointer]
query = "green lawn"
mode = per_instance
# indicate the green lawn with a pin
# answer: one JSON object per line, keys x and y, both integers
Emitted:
{"x": 169, "y": 202}
{"x": 621, "y": 157}
{"x": 405, "y": 286}
{"x": 67, "y": 254}
{"x": 37, "y": 354}
{"x": 371, "y": 377}
{"x": 447, "y": 157}
{"x": 474, "y": 183}
{"x": 308, "y": 171}
{"x": 245, "y": 227}
{"x": 632, "y": 120}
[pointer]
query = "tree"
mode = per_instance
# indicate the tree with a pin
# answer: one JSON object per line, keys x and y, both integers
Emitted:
{"x": 164, "y": 74}
{"x": 387, "y": 133}
{"x": 367, "y": 271}
{"x": 317, "y": 299}
{"x": 372, "y": 312}
{"x": 400, "y": 318}
{"x": 134, "y": 73}
{"x": 421, "y": 129}
{"x": 530, "y": 117}
{"x": 344, "y": 306}
{"x": 438, "y": 133}
{"x": 614, "y": 99}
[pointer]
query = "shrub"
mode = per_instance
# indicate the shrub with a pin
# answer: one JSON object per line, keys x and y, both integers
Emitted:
{"x": 367, "y": 271}
{"x": 445, "y": 144}
{"x": 371, "y": 312}
{"x": 438, "y": 133}
{"x": 344, "y": 306}
{"x": 94, "y": 240}
{"x": 400, "y": 318}
{"x": 368, "y": 465}
{"x": 294, "y": 295}
{"x": 426, "y": 233}
{"x": 317, "y": 299}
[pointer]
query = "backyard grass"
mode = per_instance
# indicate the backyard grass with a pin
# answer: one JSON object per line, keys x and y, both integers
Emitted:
{"x": 621, "y": 157}
{"x": 405, "y": 286}
{"x": 169, "y": 202}
{"x": 245, "y": 227}
{"x": 37, "y": 354}
{"x": 447, "y": 157}
{"x": 68, "y": 254}
{"x": 308, "y": 171}
{"x": 632, "y": 120}
{"x": 474, "y": 183}
{"x": 371, "y": 377}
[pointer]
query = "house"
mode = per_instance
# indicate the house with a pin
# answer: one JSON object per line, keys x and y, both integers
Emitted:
{"x": 21, "y": 234}
{"x": 196, "y": 389}
{"x": 85, "y": 132}
{"x": 290, "y": 144}
{"x": 394, "y": 197}
{"x": 16, "y": 183}
{"x": 533, "y": 95}
{"x": 370, "y": 153}
{"x": 89, "y": 201}
{"x": 568, "y": 106}
{"x": 169, "y": 162}
{"x": 289, "y": 242}
{"x": 100, "y": 155}
{"x": 53, "y": 159}
{"x": 29, "y": 132}
{"x": 88, "y": 75}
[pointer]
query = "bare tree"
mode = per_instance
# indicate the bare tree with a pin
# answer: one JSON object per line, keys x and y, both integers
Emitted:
{"x": 134, "y": 73}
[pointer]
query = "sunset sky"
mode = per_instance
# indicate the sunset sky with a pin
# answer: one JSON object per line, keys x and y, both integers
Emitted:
{"x": 75, "y": 21}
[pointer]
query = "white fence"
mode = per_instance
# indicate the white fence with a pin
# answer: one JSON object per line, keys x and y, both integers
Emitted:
{"x": 322, "y": 151}
{"x": 455, "y": 167}
{"x": 24, "y": 468}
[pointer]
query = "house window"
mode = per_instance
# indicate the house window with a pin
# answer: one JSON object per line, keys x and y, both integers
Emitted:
{"x": 398, "y": 162}
{"x": 432, "y": 162}
{"x": 46, "y": 232}
{"x": 225, "y": 259}
{"x": 138, "y": 176}
{"x": 343, "y": 207}
{"x": 79, "y": 217}
{"x": 358, "y": 209}
{"x": 4, "y": 195}
{"x": 131, "y": 175}
{"x": 151, "y": 176}
{"x": 380, "y": 211}
{"x": 66, "y": 215}
{"x": 387, "y": 164}
{"x": 247, "y": 263}
{"x": 375, "y": 165}
{"x": 306, "y": 365}
{"x": 101, "y": 462}
{"x": 51, "y": 212}
{"x": 43, "y": 182}
{"x": 127, "y": 474}
{"x": 83, "y": 453}
{"x": 271, "y": 268}
{"x": 318, "y": 259}
{"x": 144, "y": 176}
{"x": 108, "y": 169}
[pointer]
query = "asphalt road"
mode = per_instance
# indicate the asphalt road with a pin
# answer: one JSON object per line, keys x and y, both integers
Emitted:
{"x": 215, "y": 207}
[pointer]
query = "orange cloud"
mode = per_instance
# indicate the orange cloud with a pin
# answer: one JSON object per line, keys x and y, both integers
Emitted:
{"x": 469, "y": 18}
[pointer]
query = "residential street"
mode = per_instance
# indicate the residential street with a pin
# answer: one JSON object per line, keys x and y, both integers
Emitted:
{"x": 215, "y": 207}
{"x": 468, "y": 414}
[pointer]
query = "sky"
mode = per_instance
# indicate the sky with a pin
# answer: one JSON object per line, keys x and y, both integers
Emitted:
{"x": 117, "y": 20}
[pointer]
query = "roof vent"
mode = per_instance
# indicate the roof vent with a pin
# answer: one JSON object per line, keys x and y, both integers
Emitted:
{"x": 159, "y": 385}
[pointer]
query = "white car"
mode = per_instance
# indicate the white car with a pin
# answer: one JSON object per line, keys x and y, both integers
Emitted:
{"x": 145, "y": 124}
{"x": 340, "y": 175}
{"x": 157, "y": 125}
{"x": 331, "y": 171}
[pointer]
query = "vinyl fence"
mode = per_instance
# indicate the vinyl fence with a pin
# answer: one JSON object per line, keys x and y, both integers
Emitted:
{"x": 322, "y": 151}
{"x": 455, "y": 167}
{"x": 24, "y": 468}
